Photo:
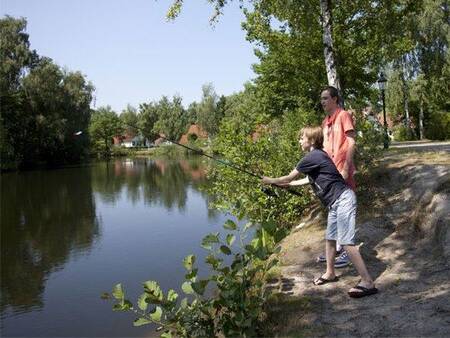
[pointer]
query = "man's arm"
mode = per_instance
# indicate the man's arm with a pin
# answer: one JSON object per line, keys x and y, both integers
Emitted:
{"x": 350, "y": 136}
{"x": 282, "y": 180}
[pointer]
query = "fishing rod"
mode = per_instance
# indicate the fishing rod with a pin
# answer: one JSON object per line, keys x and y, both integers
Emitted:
{"x": 229, "y": 164}
{"x": 234, "y": 166}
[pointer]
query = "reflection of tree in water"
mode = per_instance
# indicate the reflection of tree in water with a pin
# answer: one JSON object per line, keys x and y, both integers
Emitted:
{"x": 45, "y": 216}
{"x": 160, "y": 181}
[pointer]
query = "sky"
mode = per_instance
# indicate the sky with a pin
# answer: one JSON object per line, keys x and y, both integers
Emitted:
{"x": 131, "y": 53}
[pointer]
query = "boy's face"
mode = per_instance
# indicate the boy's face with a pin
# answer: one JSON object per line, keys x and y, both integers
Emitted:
{"x": 305, "y": 143}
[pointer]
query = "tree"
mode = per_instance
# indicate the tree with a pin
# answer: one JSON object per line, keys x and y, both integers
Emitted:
{"x": 147, "y": 118}
{"x": 207, "y": 115}
{"x": 105, "y": 124}
{"x": 42, "y": 106}
{"x": 15, "y": 58}
{"x": 172, "y": 119}
{"x": 192, "y": 112}
{"x": 57, "y": 102}
{"x": 301, "y": 43}
{"x": 130, "y": 120}
{"x": 328, "y": 49}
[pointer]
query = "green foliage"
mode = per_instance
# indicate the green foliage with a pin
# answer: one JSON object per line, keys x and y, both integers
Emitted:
{"x": 237, "y": 307}
{"x": 42, "y": 106}
{"x": 172, "y": 118}
{"x": 369, "y": 141}
{"x": 130, "y": 120}
{"x": 209, "y": 113}
{"x": 15, "y": 56}
{"x": 192, "y": 137}
{"x": 256, "y": 144}
{"x": 119, "y": 151}
{"x": 438, "y": 126}
{"x": 403, "y": 133}
{"x": 420, "y": 78}
{"x": 147, "y": 118}
{"x": 105, "y": 124}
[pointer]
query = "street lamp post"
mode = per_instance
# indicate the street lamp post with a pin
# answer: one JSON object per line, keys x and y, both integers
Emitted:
{"x": 382, "y": 85}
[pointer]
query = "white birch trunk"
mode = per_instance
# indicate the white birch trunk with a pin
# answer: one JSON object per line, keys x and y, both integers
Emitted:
{"x": 328, "y": 50}
{"x": 421, "y": 120}
{"x": 405, "y": 92}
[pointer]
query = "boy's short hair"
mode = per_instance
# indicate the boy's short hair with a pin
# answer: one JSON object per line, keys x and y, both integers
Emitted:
{"x": 314, "y": 135}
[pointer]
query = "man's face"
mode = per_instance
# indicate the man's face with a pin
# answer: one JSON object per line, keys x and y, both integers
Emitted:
{"x": 329, "y": 104}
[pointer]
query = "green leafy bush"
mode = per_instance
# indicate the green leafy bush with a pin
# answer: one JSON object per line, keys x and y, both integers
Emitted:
{"x": 192, "y": 137}
{"x": 263, "y": 147}
{"x": 237, "y": 307}
{"x": 403, "y": 133}
{"x": 122, "y": 151}
{"x": 369, "y": 142}
{"x": 438, "y": 126}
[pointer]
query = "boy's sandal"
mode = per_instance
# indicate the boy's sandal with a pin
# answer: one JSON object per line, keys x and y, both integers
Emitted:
{"x": 322, "y": 281}
{"x": 363, "y": 293}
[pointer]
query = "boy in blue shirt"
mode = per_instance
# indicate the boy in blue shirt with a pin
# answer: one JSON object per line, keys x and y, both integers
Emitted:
{"x": 328, "y": 184}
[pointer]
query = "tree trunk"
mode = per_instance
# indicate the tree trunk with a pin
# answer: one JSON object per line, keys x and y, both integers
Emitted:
{"x": 405, "y": 92}
{"x": 421, "y": 120}
{"x": 328, "y": 50}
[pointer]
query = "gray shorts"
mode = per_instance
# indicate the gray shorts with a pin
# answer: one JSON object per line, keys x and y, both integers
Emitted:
{"x": 341, "y": 219}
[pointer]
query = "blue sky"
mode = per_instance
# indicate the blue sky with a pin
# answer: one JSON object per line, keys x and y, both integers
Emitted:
{"x": 131, "y": 53}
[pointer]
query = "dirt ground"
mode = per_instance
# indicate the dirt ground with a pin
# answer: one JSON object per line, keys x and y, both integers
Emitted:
{"x": 403, "y": 230}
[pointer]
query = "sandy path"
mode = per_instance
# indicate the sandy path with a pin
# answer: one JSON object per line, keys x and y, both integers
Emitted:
{"x": 403, "y": 223}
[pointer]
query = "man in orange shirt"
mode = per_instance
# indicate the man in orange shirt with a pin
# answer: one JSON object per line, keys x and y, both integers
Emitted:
{"x": 339, "y": 143}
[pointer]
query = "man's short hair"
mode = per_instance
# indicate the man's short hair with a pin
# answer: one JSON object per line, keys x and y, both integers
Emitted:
{"x": 314, "y": 135}
{"x": 333, "y": 93}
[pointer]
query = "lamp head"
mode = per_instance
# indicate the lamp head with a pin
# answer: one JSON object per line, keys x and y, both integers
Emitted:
{"x": 382, "y": 81}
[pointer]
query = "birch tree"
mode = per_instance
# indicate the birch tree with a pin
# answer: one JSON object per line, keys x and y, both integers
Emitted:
{"x": 346, "y": 41}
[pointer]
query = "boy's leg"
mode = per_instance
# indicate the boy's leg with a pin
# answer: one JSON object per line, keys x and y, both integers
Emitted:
{"x": 346, "y": 216}
{"x": 360, "y": 266}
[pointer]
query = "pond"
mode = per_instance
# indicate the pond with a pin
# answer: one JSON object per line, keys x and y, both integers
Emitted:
{"x": 69, "y": 234}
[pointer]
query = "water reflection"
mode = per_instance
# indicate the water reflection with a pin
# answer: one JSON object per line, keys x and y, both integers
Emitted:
{"x": 156, "y": 182}
{"x": 45, "y": 216}
{"x": 48, "y": 217}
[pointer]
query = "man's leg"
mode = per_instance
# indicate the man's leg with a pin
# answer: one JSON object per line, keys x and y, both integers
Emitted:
{"x": 330, "y": 250}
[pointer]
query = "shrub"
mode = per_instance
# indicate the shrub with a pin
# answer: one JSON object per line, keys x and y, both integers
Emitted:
{"x": 403, "y": 133}
{"x": 438, "y": 126}
{"x": 192, "y": 137}
{"x": 369, "y": 141}
{"x": 238, "y": 306}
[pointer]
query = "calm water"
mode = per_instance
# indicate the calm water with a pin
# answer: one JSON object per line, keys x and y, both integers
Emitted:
{"x": 67, "y": 235}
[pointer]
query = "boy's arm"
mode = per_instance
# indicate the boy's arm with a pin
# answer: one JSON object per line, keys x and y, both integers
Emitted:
{"x": 303, "y": 181}
{"x": 282, "y": 180}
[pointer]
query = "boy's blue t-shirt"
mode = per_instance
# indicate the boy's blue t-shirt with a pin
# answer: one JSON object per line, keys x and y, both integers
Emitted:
{"x": 326, "y": 181}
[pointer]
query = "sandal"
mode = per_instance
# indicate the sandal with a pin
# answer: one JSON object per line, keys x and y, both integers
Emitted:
{"x": 363, "y": 293}
{"x": 322, "y": 281}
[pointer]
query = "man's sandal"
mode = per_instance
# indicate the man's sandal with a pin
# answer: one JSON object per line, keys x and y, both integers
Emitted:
{"x": 322, "y": 281}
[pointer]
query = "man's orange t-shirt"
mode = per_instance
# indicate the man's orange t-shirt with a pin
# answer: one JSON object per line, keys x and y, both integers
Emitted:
{"x": 335, "y": 141}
